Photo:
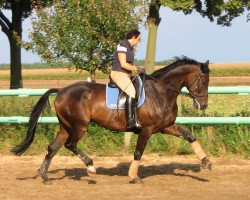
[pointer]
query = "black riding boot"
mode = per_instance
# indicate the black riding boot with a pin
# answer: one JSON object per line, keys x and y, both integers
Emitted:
{"x": 132, "y": 122}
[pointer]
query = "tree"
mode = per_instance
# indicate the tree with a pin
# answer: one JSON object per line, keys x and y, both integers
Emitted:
{"x": 20, "y": 9}
{"x": 82, "y": 32}
{"x": 223, "y": 11}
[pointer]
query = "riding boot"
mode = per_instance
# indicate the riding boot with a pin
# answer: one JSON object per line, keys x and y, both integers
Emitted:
{"x": 132, "y": 121}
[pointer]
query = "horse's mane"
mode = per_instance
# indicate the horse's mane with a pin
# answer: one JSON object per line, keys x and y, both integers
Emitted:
{"x": 179, "y": 61}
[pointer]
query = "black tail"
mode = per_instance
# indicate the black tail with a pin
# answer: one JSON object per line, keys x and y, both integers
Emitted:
{"x": 37, "y": 110}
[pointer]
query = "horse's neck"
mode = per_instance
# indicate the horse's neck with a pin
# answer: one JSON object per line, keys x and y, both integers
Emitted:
{"x": 173, "y": 82}
{"x": 170, "y": 84}
{"x": 165, "y": 89}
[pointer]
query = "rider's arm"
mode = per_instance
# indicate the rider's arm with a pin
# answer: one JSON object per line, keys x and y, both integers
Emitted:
{"x": 124, "y": 63}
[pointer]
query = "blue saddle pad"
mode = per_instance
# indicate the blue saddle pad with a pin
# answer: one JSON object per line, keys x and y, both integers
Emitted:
{"x": 113, "y": 93}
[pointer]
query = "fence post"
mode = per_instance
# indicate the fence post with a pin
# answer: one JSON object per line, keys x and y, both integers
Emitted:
{"x": 127, "y": 138}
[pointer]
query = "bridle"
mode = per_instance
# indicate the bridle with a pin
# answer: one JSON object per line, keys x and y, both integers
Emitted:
{"x": 194, "y": 95}
{"x": 199, "y": 77}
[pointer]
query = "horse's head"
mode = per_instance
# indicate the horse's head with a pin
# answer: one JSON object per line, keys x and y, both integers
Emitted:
{"x": 186, "y": 72}
{"x": 197, "y": 85}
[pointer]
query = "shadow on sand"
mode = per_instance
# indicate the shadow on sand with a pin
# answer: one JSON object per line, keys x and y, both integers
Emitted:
{"x": 174, "y": 169}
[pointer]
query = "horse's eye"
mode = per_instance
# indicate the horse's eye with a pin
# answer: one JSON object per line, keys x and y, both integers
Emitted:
{"x": 205, "y": 79}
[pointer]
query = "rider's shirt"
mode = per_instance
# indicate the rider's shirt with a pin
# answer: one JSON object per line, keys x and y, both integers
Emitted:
{"x": 123, "y": 47}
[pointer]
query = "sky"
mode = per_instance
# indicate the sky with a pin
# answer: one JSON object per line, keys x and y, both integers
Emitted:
{"x": 178, "y": 35}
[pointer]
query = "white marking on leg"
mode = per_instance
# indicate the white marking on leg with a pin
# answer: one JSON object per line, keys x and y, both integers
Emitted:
{"x": 133, "y": 169}
{"x": 91, "y": 170}
{"x": 198, "y": 150}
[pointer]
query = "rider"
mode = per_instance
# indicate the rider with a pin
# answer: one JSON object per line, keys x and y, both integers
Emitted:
{"x": 122, "y": 69}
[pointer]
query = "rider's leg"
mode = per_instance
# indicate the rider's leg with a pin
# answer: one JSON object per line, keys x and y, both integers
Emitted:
{"x": 132, "y": 122}
{"x": 125, "y": 84}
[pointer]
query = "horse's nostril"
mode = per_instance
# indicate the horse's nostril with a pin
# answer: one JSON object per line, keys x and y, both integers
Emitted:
{"x": 204, "y": 106}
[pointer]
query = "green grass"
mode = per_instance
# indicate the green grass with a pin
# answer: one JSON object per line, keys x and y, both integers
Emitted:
{"x": 230, "y": 71}
{"x": 218, "y": 140}
{"x": 218, "y": 105}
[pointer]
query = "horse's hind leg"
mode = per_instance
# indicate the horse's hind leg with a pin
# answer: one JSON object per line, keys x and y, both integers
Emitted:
{"x": 53, "y": 148}
{"x": 177, "y": 131}
{"x": 71, "y": 144}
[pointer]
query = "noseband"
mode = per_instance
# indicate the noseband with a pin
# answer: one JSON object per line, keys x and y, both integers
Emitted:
{"x": 199, "y": 78}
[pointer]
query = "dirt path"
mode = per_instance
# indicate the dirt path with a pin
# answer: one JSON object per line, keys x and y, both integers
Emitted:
{"x": 163, "y": 178}
{"x": 45, "y": 84}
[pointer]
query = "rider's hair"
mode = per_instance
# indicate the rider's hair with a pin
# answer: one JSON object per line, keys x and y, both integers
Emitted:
{"x": 133, "y": 33}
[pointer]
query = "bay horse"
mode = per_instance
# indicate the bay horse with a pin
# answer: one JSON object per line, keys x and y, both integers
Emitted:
{"x": 83, "y": 102}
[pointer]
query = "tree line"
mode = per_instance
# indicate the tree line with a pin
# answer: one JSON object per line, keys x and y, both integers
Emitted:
{"x": 84, "y": 32}
{"x": 46, "y": 65}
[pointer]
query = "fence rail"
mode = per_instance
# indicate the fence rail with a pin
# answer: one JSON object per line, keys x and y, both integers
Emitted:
{"x": 240, "y": 90}
{"x": 179, "y": 120}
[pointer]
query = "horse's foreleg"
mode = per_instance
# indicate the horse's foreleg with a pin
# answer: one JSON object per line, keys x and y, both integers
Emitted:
{"x": 177, "y": 131}
{"x": 53, "y": 148}
{"x": 140, "y": 146}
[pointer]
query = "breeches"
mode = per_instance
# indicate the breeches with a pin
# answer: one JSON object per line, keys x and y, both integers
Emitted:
{"x": 123, "y": 81}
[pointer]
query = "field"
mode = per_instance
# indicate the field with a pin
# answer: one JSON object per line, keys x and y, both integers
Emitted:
{"x": 168, "y": 168}
{"x": 218, "y": 106}
{"x": 221, "y": 74}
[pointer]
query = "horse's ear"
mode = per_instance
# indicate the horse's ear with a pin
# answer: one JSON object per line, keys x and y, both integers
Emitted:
{"x": 207, "y": 63}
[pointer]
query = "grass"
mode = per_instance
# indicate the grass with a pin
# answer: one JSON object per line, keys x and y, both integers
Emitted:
{"x": 219, "y": 140}
{"x": 218, "y": 105}
{"x": 230, "y": 71}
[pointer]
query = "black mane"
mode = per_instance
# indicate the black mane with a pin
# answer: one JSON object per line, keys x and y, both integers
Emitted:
{"x": 179, "y": 61}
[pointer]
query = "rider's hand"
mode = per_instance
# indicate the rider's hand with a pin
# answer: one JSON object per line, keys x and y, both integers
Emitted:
{"x": 141, "y": 70}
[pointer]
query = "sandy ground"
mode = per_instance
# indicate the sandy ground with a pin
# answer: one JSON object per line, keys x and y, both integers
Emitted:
{"x": 46, "y": 84}
{"x": 163, "y": 178}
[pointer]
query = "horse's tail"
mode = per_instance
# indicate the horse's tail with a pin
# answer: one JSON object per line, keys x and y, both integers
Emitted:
{"x": 36, "y": 112}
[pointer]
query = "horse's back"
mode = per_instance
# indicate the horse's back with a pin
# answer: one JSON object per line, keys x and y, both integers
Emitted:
{"x": 81, "y": 88}
{"x": 80, "y": 93}
{"x": 82, "y": 102}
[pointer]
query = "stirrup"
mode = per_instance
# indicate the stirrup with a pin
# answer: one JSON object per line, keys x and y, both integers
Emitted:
{"x": 134, "y": 125}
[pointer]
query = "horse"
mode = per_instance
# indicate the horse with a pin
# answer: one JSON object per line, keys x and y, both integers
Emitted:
{"x": 83, "y": 102}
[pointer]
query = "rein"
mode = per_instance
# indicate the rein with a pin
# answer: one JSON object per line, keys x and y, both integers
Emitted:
{"x": 178, "y": 91}
{"x": 190, "y": 95}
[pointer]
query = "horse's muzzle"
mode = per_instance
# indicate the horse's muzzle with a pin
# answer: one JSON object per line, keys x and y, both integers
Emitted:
{"x": 200, "y": 105}
{"x": 204, "y": 107}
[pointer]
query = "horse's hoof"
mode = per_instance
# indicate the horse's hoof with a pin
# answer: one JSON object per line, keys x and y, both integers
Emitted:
{"x": 136, "y": 180}
{"x": 206, "y": 164}
{"x": 91, "y": 170}
{"x": 44, "y": 176}
{"x": 47, "y": 182}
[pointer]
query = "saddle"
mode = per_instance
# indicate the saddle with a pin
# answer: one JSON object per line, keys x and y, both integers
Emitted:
{"x": 116, "y": 98}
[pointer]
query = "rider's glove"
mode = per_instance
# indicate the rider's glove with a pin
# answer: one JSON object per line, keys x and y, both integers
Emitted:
{"x": 141, "y": 70}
